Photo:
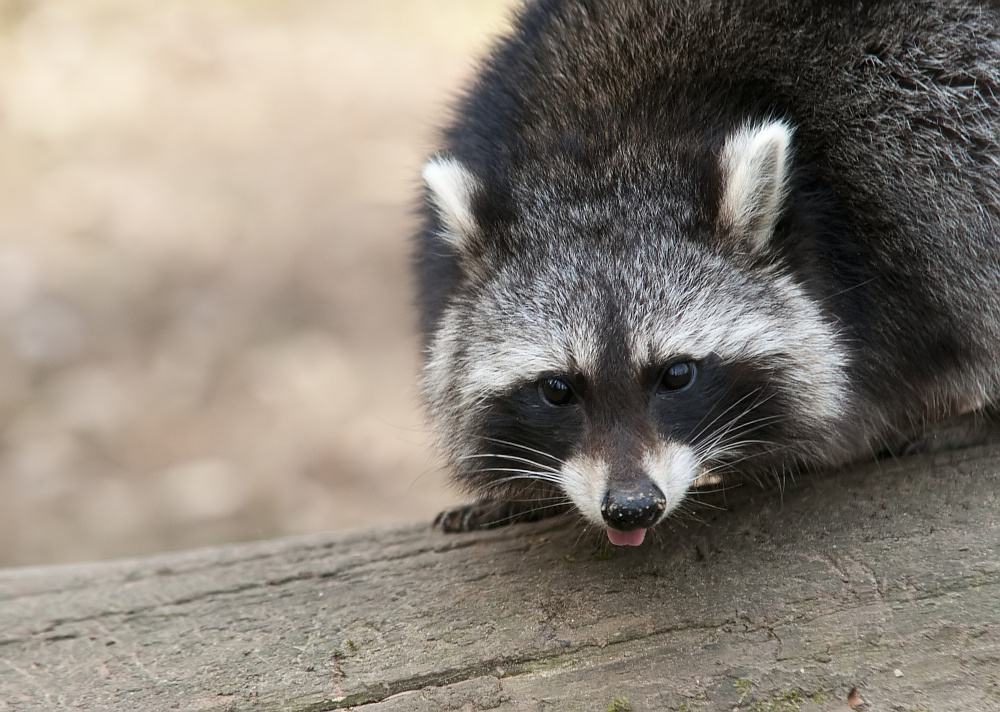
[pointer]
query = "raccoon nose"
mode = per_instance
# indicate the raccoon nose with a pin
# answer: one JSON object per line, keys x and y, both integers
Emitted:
{"x": 637, "y": 506}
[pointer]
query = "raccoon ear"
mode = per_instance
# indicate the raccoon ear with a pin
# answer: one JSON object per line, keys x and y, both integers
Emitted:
{"x": 754, "y": 172}
{"x": 452, "y": 189}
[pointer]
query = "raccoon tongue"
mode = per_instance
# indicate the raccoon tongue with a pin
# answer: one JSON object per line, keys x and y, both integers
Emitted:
{"x": 632, "y": 538}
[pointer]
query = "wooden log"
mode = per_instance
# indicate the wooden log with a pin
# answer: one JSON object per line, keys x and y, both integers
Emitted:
{"x": 885, "y": 578}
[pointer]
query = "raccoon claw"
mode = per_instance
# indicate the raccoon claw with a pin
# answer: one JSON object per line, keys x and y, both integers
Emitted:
{"x": 490, "y": 515}
{"x": 474, "y": 517}
{"x": 462, "y": 519}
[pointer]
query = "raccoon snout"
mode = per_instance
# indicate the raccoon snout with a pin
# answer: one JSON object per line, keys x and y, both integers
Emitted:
{"x": 637, "y": 506}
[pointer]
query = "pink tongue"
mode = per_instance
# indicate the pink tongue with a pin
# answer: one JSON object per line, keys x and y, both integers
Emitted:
{"x": 632, "y": 538}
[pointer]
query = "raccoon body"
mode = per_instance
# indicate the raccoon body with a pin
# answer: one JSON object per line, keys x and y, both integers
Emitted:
{"x": 667, "y": 239}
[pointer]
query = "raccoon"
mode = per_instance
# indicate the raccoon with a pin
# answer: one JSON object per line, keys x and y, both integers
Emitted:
{"x": 665, "y": 240}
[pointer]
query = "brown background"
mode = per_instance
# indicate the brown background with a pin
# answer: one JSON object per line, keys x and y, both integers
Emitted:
{"x": 205, "y": 207}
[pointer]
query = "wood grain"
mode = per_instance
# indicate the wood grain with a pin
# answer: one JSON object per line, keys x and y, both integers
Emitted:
{"x": 884, "y": 577}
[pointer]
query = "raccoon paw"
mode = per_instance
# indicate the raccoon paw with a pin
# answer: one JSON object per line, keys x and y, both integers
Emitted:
{"x": 462, "y": 519}
{"x": 490, "y": 515}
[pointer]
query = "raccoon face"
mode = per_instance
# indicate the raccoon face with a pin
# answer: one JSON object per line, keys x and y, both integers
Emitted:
{"x": 601, "y": 353}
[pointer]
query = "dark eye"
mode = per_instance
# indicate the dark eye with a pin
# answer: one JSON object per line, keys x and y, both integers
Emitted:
{"x": 678, "y": 376}
{"x": 555, "y": 391}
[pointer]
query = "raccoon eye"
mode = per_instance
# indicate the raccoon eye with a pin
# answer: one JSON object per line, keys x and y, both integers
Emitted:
{"x": 555, "y": 391}
{"x": 678, "y": 376}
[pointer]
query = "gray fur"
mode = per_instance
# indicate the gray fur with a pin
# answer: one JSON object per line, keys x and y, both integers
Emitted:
{"x": 801, "y": 198}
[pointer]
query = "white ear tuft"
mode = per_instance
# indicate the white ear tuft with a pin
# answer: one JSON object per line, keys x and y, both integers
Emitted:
{"x": 452, "y": 189}
{"x": 754, "y": 171}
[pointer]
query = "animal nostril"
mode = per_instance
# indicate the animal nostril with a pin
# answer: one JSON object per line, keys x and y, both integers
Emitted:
{"x": 633, "y": 507}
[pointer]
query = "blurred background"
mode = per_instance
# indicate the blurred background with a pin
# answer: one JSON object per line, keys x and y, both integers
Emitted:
{"x": 205, "y": 323}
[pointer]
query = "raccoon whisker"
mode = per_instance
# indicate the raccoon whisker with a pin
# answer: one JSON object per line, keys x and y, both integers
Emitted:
{"x": 827, "y": 298}
{"x": 538, "y": 500}
{"x": 586, "y": 527}
{"x": 531, "y": 510}
{"x": 684, "y": 513}
{"x": 735, "y": 428}
{"x": 747, "y": 456}
{"x": 526, "y": 476}
{"x": 543, "y": 475}
{"x": 738, "y": 441}
{"x": 507, "y": 489}
{"x": 697, "y": 431}
{"x": 521, "y": 446}
{"x": 502, "y": 456}
{"x": 740, "y": 434}
{"x": 531, "y": 494}
{"x": 537, "y": 505}
{"x": 706, "y": 505}
{"x": 742, "y": 442}
{"x": 780, "y": 482}
{"x": 736, "y": 421}
{"x": 714, "y": 420}
{"x": 763, "y": 483}
{"x": 755, "y": 476}
{"x": 718, "y": 467}
{"x": 556, "y": 502}
{"x": 520, "y": 513}
{"x": 715, "y": 490}
{"x": 727, "y": 467}
{"x": 732, "y": 467}
{"x": 498, "y": 492}
{"x": 760, "y": 396}
{"x": 764, "y": 419}
{"x": 515, "y": 489}
{"x": 737, "y": 446}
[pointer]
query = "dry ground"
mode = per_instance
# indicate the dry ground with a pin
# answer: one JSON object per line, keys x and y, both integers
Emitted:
{"x": 205, "y": 330}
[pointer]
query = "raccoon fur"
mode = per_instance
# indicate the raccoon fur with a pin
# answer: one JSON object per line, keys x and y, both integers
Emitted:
{"x": 669, "y": 239}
